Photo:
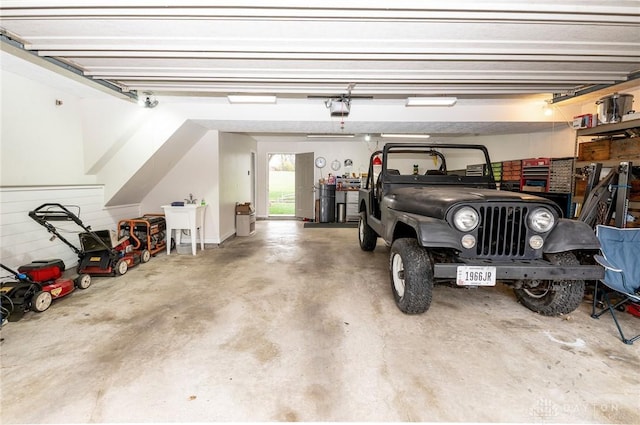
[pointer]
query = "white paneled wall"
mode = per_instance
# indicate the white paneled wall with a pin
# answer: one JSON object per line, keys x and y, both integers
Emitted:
{"x": 23, "y": 240}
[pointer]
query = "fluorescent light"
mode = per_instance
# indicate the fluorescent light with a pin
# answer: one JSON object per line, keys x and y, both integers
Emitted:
{"x": 251, "y": 99}
{"x": 405, "y": 136}
{"x": 431, "y": 101}
{"x": 330, "y": 136}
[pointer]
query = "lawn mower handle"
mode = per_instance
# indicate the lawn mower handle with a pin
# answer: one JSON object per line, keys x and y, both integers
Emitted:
{"x": 42, "y": 217}
{"x": 20, "y": 276}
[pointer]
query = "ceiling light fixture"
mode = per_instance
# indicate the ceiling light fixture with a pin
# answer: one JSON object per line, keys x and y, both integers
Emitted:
{"x": 367, "y": 137}
{"x": 405, "y": 136}
{"x": 431, "y": 101}
{"x": 546, "y": 109}
{"x": 331, "y": 136}
{"x": 251, "y": 99}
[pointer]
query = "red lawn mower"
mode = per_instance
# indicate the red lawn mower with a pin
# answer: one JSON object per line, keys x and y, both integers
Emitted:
{"x": 102, "y": 252}
{"x": 34, "y": 286}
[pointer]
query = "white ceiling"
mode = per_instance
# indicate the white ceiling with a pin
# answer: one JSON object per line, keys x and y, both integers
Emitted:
{"x": 310, "y": 49}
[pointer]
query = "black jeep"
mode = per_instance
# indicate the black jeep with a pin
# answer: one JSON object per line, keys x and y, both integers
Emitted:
{"x": 446, "y": 222}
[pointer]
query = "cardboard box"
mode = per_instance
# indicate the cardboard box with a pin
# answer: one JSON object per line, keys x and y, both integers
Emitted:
{"x": 244, "y": 208}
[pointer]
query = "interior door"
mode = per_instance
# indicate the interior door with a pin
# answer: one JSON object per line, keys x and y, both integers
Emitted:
{"x": 305, "y": 195}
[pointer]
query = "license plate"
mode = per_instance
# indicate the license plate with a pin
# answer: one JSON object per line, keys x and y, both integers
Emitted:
{"x": 476, "y": 276}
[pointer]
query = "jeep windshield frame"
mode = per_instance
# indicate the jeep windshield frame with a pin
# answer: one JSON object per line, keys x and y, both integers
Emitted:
{"x": 439, "y": 174}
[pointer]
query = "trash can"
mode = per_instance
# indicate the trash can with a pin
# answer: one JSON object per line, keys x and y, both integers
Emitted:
{"x": 342, "y": 212}
{"x": 327, "y": 196}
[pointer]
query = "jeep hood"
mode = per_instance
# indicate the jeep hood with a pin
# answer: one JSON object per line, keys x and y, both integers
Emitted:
{"x": 435, "y": 201}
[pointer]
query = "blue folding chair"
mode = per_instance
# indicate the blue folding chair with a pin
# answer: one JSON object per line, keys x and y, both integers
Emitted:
{"x": 620, "y": 257}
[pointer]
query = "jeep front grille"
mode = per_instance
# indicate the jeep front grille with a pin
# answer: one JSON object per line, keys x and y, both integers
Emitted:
{"x": 502, "y": 232}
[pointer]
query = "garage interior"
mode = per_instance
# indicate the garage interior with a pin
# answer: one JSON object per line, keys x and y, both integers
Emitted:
{"x": 121, "y": 108}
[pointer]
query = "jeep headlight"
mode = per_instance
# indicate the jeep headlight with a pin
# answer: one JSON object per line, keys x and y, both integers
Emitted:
{"x": 465, "y": 219}
{"x": 541, "y": 220}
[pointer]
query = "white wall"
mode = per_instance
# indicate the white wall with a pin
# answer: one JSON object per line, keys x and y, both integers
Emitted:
{"x": 358, "y": 152}
{"x": 196, "y": 173}
{"x": 215, "y": 169}
{"x": 552, "y": 144}
{"x": 235, "y": 178}
{"x": 101, "y": 138}
{"x": 22, "y": 240}
{"x": 41, "y": 142}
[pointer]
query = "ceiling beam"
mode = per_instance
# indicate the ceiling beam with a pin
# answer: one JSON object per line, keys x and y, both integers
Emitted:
{"x": 620, "y": 12}
{"x": 15, "y": 48}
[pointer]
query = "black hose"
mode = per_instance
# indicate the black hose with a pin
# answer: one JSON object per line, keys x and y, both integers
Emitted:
{"x": 4, "y": 312}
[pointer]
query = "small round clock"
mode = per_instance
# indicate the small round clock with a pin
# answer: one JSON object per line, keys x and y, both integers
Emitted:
{"x": 321, "y": 162}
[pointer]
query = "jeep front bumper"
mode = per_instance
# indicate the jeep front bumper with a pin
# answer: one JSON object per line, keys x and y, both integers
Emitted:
{"x": 527, "y": 270}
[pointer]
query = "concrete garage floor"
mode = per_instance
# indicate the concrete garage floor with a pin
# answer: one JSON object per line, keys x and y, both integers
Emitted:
{"x": 296, "y": 324}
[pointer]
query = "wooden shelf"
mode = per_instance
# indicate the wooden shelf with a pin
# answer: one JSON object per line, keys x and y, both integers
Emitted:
{"x": 609, "y": 129}
{"x": 607, "y": 163}
{"x": 622, "y": 136}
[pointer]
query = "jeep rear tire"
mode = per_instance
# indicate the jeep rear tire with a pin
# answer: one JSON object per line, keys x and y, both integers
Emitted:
{"x": 553, "y": 299}
{"x": 411, "y": 273}
{"x": 366, "y": 235}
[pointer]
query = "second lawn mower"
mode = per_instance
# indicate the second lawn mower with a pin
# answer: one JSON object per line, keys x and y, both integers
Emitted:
{"x": 101, "y": 252}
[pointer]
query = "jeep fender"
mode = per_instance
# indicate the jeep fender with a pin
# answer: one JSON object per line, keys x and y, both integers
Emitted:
{"x": 571, "y": 235}
{"x": 430, "y": 232}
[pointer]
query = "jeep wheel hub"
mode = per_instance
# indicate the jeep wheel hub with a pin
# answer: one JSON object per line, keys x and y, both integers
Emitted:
{"x": 397, "y": 268}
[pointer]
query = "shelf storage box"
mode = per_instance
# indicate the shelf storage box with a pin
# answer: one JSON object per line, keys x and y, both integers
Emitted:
{"x": 512, "y": 170}
{"x": 535, "y": 174}
{"x": 478, "y": 170}
{"x": 496, "y": 168}
{"x": 561, "y": 175}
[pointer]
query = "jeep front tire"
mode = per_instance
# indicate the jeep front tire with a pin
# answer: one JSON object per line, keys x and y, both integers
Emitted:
{"x": 411, "y": 274}
{"x": 551, "y": 298}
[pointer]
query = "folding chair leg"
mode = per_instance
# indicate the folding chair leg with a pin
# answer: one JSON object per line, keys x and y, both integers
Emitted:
{"x": 611, "y": 309}
{"x": 595, "y": 301}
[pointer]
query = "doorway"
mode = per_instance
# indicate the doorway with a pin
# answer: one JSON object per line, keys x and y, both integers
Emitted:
{"x": 282, "y": 184}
